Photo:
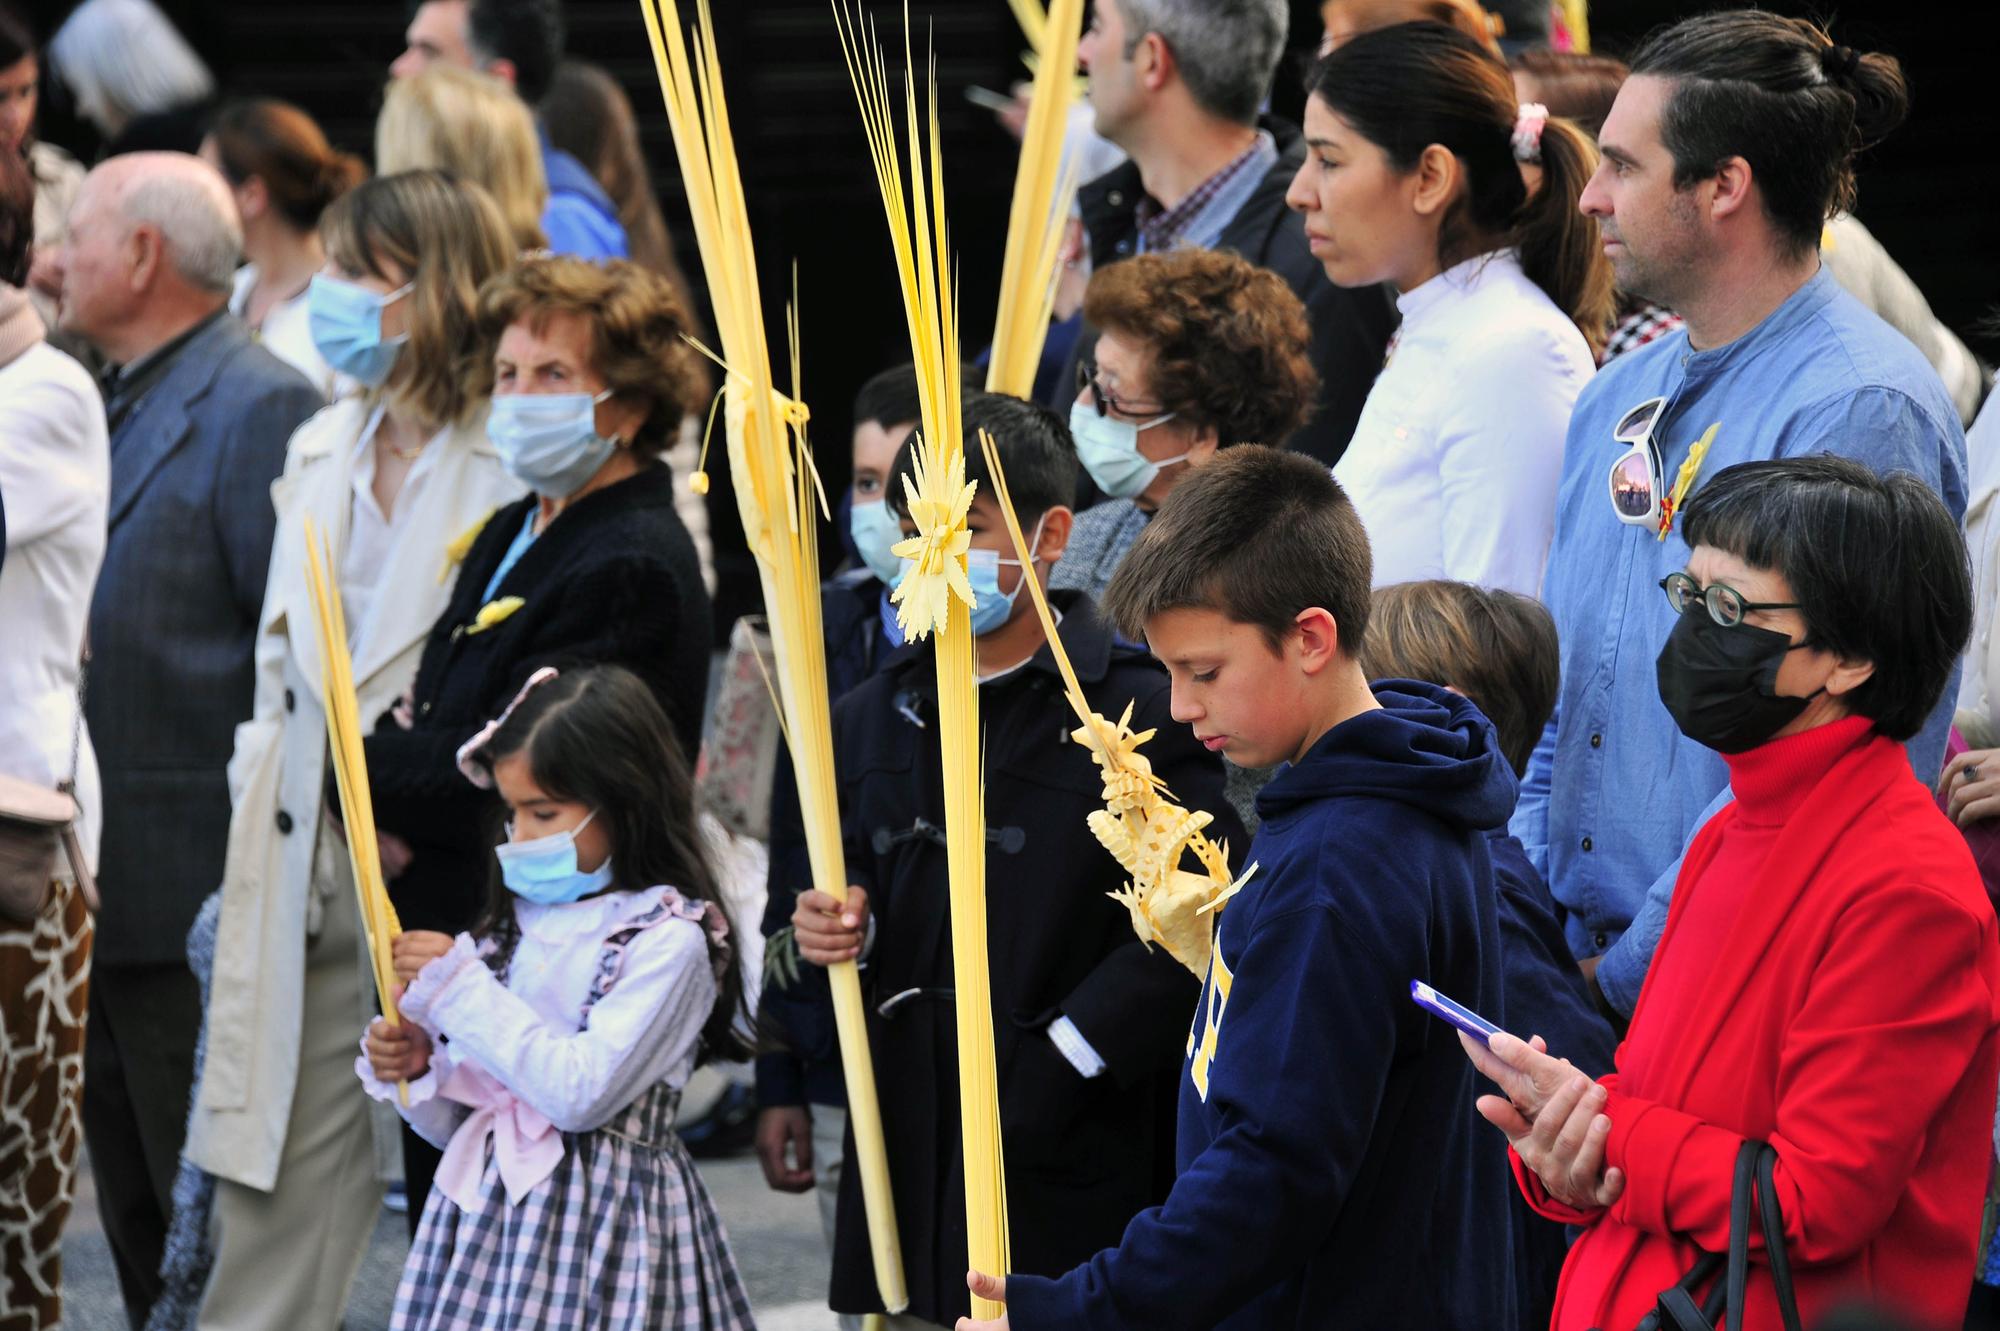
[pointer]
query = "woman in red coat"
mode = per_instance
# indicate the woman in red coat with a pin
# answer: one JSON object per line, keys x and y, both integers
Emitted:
{"x": 1829, "y": 977}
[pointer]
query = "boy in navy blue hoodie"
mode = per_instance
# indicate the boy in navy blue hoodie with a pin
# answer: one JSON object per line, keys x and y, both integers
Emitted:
{"x": 1331, "y": 1170}
{"x": 1499, "y": 649}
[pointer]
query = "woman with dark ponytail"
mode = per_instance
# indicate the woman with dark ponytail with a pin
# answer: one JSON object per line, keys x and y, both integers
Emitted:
{"x": 1415, "y": 177}
{"x": 283, "y": 174}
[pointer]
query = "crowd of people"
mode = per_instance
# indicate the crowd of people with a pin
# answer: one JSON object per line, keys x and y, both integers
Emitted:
{"x": 1523, "y": 508}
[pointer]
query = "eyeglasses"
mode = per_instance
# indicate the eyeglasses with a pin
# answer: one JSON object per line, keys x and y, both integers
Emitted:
{"x": 1086, "y": 380}
{"x": 1724, "y": 603}
{"x": 1635, "y": 476}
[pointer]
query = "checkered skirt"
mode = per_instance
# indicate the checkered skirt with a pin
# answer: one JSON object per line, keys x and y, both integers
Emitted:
{"x": 622, "y": 1235}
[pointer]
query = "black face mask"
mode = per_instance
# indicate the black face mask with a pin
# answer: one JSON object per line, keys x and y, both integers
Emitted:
{"x": 1720, "y": 684}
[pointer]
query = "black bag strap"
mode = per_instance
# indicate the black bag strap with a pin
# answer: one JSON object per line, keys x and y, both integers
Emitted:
{"x": 1774, "y": 1236}
{"x": 1753, "y": 1189}
{"x": 1742, "y": 1195}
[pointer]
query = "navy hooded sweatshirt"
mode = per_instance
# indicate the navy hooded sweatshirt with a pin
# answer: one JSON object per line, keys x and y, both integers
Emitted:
{"x": 1333, "y": 1171}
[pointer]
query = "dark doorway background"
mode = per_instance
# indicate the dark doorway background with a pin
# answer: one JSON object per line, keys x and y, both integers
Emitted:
{"x": 812, "y": 193}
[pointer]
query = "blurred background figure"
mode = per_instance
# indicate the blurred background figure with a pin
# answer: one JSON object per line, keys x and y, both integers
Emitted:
{"x": 469, "y": 124}
{"x": 54, "y": 175}
{"x": 588, "y": 116}
{"x": 519, "y": 42}
{"x": 1343, "y": 20}
{"x": 133, "y": 75}
{"x": 283, "y": 174}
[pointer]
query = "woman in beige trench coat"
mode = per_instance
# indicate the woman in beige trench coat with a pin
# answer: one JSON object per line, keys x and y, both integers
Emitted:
{"x": 396, "y": 477}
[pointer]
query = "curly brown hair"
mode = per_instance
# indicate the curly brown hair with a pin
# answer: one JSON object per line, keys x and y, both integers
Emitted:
{"x": 1229, "y": 340}
{"x": 636, "y": 327}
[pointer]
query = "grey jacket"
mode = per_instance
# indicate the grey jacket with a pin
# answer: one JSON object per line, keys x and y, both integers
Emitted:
{"x": 171, "y": 626}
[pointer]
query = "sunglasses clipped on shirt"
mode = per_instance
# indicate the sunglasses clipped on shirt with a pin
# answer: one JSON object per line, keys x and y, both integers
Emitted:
{"x": 1636, "y": 482}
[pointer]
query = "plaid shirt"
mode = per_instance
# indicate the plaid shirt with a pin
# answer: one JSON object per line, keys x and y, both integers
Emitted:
{"x": 1637, "y": 327}
{"x": 1162, "y": 229}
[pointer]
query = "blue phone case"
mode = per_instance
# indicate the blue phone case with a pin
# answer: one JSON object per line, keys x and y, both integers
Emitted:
{"x": 1457, "y": 1014}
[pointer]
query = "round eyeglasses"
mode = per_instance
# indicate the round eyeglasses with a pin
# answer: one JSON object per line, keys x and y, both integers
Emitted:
{"x": 1725, "y": 605}
{"x": 1102, "y": 400}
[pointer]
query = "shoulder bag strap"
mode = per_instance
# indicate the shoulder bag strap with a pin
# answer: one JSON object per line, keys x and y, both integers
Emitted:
{"x": 1741, "y": 1195}
{"x": 1774, "y": 1236}
{"x": 79, "y": 866}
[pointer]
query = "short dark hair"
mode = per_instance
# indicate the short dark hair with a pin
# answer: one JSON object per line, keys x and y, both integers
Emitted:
{"x": 1035, "y": 448}
{"x": 529, "y": 34}
{"x": 1257, "y": 535}
{"x": 17, "y": 219}
{"x": 1781, "y": 95}
{"x": 17, "y": 39}
{"x": 1498, "y": 648}
{"x": 889, "y": 398}
{"x": 1876, "y": 564}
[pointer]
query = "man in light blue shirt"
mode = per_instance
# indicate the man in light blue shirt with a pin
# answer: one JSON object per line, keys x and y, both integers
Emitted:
{"x": 1725, "y": 152}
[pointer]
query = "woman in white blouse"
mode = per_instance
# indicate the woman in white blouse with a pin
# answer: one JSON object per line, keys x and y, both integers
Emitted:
{"x": 393, "y": 477}
{"x": 1414, "y": 178}
{"x": 284, "y": 175}
{"x": 55, "y": 486}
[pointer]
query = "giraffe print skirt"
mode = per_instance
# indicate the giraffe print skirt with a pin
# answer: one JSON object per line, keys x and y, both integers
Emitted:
{"x": 44, "y": 992}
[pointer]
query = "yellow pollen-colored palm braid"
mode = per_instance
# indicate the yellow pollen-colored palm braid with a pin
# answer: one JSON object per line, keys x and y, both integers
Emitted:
{"x": 777, "y": 493}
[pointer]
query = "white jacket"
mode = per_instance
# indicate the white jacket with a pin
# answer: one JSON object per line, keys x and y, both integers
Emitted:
{"x": 271, "y": 896}
{"x": 55, "y": 479}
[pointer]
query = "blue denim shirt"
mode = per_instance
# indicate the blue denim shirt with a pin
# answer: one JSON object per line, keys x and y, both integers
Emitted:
{"x": 1614, "y": 792}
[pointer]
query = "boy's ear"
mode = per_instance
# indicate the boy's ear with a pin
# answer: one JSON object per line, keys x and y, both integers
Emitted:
{"x": 1318, "y": 638}
{"x": 1056, "y": 526}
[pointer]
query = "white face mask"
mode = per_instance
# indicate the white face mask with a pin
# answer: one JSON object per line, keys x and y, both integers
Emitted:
{"x": 549, "y": 441}
{"x": 1108, "y": 448}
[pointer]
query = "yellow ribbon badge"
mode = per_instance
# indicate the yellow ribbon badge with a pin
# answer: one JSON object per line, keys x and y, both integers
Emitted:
{"x": 493, "y": 612}
{"x": 461, "y": 546}
{"x": 1685, "y": 480}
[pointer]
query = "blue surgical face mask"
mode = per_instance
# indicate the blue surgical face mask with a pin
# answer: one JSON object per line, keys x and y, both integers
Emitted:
{"x": 991, "y": 606}
{"x": 544, "y": 870}
{"x": 1108, "y": 448}
{"x": 875, "y": 528}
{"x": 549, "y": 441}
{"x": 346, "y": 324}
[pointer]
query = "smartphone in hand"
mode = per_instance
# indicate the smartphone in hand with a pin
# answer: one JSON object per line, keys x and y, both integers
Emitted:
{"x": 1456, "y": 1013}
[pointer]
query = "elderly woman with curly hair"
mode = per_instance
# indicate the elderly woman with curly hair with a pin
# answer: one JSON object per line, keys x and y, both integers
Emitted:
{"x": 590, "y": 378}
{"x": 1199, "y": 349}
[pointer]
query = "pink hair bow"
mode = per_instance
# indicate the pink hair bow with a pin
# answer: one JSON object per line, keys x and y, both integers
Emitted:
{"x": 468, "y": 752}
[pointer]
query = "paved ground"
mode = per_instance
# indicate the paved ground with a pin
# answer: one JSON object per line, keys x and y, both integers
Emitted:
{"x": 776, "y": 1239}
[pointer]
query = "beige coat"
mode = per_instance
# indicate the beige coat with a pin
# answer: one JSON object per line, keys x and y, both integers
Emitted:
{"x": 271, "y": 898}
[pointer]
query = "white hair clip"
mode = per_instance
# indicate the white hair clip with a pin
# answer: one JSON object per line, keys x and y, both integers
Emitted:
{"x": 1529, "y": 123}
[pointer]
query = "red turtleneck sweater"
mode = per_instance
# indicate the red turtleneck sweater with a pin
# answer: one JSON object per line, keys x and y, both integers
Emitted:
{"x": 1829, "y": 982}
